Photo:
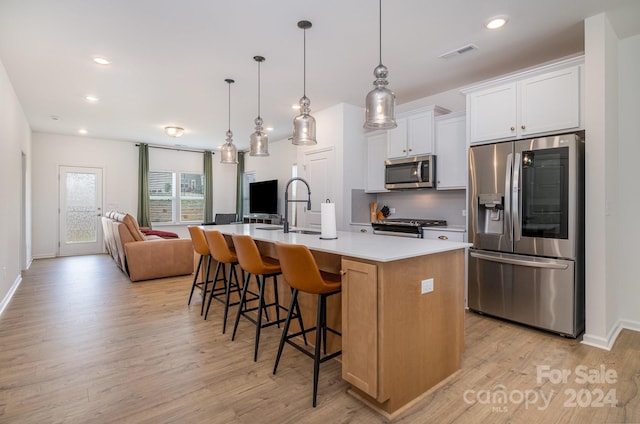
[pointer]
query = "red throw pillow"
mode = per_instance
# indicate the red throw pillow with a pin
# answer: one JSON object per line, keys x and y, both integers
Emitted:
{"x": 163, "y": 234}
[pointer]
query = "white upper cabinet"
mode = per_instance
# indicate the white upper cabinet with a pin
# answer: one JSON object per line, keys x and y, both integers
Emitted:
{"x": 451, "y": 151}
{"x": 550, "y": 102}
{"x": 376, "y": 145}
{"x": 414, "y": 134}
{"x": 536, "y": 102}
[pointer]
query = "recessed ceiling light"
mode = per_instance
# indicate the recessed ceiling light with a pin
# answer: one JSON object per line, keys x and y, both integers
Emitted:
{"x": 82, "y": 131}
{"x": 92, "y": 99}
{"x": 496, "y": 22}
{"x": 295, "y": 107}
{"x": 269, "y": 129}
{"x": 101, "y": 60}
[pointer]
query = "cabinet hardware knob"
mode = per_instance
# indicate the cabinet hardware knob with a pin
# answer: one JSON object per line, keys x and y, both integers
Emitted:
{"x": 522, "y": 126}
{"x": 513, "y": 128}
{"x": 363, "y": 230}
{"x": 404, "y": 150}
{"x": 343, "y": 272}
{"x": 411, "y": 150}
{"x": 443, "y": 238}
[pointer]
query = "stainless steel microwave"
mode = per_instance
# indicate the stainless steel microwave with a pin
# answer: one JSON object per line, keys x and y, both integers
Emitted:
{"x": 411, "y": 172}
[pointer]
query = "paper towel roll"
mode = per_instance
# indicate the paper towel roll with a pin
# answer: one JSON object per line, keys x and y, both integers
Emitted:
{"x": 328, "y": 221}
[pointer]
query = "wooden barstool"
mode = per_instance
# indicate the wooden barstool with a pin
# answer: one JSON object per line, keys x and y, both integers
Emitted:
{"x": 252, "y": 262}
{"x": 224, "y": 255}
{"x": 300, "y": 270}
{"x": 201, "y": 247}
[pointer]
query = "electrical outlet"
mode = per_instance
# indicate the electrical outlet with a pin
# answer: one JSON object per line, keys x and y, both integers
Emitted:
{"x": 464, "y": 212}
{"x": 427, "y": 286}
{"x": 392, "y": 211}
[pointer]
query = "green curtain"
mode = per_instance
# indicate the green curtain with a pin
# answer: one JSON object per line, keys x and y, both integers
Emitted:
{"x": 208, "y": 186}
{"x": 144, "y": 217}
{"x": 240, "y": 172}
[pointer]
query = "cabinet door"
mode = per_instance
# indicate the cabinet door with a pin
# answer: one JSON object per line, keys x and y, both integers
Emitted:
{"x": 397, "y": 139}
{"x": 550, "y": 102}
{"x": 451, "y": 152}
{"x": 357, "y": 228}
{"x": 420, "y": 134}
{"x": 360, "y": 325}
{"x": 492, "y": 113}
{"x": 376, "y": 154}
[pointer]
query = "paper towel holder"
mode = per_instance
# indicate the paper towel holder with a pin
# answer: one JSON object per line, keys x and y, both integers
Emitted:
{"x": 328, "y": 238}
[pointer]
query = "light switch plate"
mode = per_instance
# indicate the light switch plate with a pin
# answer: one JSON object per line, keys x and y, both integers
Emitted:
{"x": 427, "y": 286}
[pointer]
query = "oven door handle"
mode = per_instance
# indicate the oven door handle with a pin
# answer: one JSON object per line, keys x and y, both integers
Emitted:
{"x": 395, "y": 233}
{"x": 519, "y": 262}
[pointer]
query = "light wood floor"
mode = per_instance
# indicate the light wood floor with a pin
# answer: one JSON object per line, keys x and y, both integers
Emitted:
{"x": 79, "y": 343}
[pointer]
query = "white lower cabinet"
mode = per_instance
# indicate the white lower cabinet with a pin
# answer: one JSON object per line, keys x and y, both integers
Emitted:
{"x": 361, "y": 228}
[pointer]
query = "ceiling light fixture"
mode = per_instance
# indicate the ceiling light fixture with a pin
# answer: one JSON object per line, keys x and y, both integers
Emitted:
{"x": 259, "y": 140}
{"x": 228, "y": 152}
{"x": 496, "y": 22}
{"x": 381, "y": 102}
{"x": 83, "y": 131}
{"x": 101, "y": 60}
{"x": 173, "y": 131}
{"x": 92, "y": 99}
{"x": 304, "y": 125}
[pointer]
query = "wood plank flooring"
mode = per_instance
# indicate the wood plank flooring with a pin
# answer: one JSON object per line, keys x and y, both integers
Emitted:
{"x": 80, "y": 343}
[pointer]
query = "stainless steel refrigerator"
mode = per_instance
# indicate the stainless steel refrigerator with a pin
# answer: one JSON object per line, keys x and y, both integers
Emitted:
{"x": 526, "y": 223}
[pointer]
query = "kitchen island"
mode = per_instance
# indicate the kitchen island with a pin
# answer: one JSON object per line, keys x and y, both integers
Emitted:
{"x": 401, "y": 311}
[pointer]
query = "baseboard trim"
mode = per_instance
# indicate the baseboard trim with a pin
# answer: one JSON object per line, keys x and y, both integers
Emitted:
{"x": 607, "y": 343}
{"x": 9, "y": 295}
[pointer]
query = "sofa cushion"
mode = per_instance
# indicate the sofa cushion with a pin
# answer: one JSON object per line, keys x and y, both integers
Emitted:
{"x": 132, "y": 225}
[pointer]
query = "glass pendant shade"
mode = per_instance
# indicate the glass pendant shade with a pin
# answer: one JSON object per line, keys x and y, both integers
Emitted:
{"x": 380, "y": 103}
{"x": 259, "y": 142}
{"x": 228, "y": 151}
{"x": 304, "y": 126}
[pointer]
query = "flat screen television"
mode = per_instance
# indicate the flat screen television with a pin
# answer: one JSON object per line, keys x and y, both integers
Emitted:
{"x": 263, "y": 197}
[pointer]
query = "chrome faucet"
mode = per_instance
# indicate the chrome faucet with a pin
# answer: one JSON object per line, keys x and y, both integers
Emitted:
{"x": 287, "y": 201}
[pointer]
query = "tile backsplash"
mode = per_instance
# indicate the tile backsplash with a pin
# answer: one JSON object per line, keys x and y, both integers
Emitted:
{"x": 427, "y": 203}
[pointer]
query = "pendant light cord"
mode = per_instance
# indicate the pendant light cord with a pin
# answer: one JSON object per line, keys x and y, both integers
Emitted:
{"x": 380, "y": 31}
{"x": 229, "y": 129}
{"x": 304, "y": 64}
{"x": 258, "y": 89}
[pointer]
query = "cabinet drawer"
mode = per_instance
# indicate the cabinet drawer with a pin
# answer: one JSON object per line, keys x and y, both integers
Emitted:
{"x": 444, "y": 235}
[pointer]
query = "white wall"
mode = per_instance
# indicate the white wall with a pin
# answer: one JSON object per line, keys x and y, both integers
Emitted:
{"x": 627, "y": 247}
{"x": 15, "y": 139}
{"x": 119, "y": 161}
{"x": 276, "y": 166}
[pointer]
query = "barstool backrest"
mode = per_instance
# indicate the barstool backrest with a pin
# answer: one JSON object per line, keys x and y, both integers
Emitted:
{"x": 300, "y": 269}
{"x": 248, "y": 254}
{"x": 198, "y": 240}
{"x": 219, "y": 248}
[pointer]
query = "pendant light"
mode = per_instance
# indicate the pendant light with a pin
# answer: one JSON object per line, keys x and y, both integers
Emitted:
{"x": 304, "y": 125}
{"x": 259, "y": 141}
{"x": 228, "y": 151}
{"x": 381, "y": 101}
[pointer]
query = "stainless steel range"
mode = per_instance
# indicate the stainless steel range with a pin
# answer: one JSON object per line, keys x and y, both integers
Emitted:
{"x": 405, "y": 227}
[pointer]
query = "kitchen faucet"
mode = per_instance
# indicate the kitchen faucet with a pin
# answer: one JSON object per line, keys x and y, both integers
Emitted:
{"x": 287, "y": 201}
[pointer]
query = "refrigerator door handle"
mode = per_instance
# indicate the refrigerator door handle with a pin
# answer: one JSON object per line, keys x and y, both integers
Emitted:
{"x": 515, "y": 205}
{"x": 507, "y": 197}
{"x": 520, "y": 262}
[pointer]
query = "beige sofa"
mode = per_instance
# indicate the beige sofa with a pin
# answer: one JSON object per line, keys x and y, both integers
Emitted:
{"x": 144, "y": 257}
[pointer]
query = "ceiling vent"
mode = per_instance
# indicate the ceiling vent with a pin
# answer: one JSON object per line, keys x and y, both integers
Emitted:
{"x": 459, "y": 51}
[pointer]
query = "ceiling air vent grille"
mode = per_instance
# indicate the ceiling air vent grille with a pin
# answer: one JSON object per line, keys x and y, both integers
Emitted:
{"x": 458, "y": 51}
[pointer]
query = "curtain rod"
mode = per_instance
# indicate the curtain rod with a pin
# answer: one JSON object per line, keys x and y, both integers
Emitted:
{"x": 177, "y": 149}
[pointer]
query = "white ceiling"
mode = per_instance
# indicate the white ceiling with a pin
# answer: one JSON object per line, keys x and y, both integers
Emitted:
{"x": 170, "y": 57}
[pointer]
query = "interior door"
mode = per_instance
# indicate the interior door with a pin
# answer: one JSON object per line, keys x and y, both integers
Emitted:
{"x": 319, "y": 171}
{"x": 80, "y": 211}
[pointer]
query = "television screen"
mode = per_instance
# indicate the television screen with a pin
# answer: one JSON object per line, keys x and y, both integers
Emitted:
{"x": 263, "y": 197}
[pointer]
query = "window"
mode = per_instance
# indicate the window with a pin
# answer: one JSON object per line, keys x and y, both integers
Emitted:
{"x": 171, "y": 206}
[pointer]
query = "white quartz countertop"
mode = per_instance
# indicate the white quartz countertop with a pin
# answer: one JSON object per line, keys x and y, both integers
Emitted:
{"x": 373, "y": 247}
